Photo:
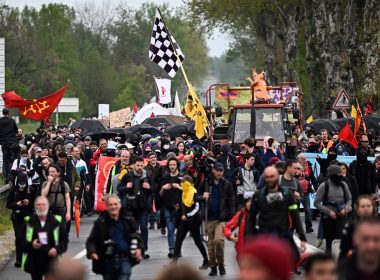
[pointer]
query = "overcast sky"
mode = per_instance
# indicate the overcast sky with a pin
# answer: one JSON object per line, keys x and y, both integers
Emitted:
{"x": 217, "y": 44}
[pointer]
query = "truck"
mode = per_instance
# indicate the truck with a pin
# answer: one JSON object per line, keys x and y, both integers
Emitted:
{"x": 234, "y": 117}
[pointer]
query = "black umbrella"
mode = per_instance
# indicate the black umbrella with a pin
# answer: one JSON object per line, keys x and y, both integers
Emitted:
{"x": 145, "y": 129}
{"x": 372, "y": 122}
{"x": 319, "y": 124}
{"x": 178, "y": 129}
{"x": 342, "y": 122}
{"x": 159, "y": 121}
{"x": 89, "y": 125}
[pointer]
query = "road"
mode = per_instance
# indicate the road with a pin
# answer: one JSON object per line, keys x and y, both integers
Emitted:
{"x": 149, "y": 268}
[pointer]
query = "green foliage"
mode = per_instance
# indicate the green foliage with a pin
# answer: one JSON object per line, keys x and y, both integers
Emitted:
{"x": 5, "y": 217}
{"x": 106, "y": 60}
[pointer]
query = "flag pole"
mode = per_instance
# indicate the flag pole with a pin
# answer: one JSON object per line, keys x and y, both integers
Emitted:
{"x": 180, "y": 62}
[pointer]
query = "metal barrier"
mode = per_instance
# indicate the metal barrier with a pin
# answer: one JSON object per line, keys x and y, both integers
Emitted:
{"x": 4, "y": 191}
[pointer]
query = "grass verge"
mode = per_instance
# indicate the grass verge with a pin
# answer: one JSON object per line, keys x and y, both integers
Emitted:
{"x": 5, "y": 217}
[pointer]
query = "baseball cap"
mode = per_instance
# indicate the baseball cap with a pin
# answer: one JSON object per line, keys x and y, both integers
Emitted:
{"x": 88, "y": 138}
{"x": 218, "y": 166}
{"x": 39, "y": 149}
{"x": 130, "y": 146}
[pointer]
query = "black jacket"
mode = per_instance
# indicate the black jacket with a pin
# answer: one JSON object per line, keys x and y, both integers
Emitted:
{"x": 227, "y": 208}
{"x": 16, "y": 195}
{"x": 8, "y": 131}
{"x": 37, "y": 258}
{"x": 100, "y": 233}
{"x": 274, "y": 215}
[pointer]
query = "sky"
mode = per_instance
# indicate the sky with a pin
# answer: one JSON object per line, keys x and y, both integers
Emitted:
{"x": 217, "y": 43}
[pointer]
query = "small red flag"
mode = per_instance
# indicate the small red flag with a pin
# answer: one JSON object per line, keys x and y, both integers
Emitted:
{"x": 135, "y": 109}
{"x": 347, "y": 135}
{"x": 152, "y": 115}
{"x": 37, "y": 109}
{"x": 368, "y": 109}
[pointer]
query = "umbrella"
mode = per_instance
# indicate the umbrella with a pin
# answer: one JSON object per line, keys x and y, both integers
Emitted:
{"x": 372, "y": 122}
{"x": 122, "y": 132}
{"x": 145, "y": 129}
{"x": 77, "y": 216}
{"x": 159, "y": 121}
{"x": 178, "y": 129}
{"x": 319, "y": 124}
{"x": 95, "y": 126}
{"x": 147, "y": 111}
{"x": 342, "y": 122}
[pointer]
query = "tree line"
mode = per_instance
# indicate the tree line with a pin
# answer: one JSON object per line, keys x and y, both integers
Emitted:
{"x": 102, "y": 50}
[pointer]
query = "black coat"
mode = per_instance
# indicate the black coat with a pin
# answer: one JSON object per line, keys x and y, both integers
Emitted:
{"x": 227, "y": 208}
{"x": 8, "y": 131}
{"x": 99, "y": 234}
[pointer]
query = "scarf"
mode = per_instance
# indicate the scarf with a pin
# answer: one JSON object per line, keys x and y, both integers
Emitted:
{"x": 124, "y": 169}
{"x": 188, "y": 192}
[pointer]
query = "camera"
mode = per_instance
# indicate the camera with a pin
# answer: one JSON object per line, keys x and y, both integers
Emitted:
{"x": 110, "y": 247}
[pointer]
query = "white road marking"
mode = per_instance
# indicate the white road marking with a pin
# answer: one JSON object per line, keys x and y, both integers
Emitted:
{"x": 81, "y": 254}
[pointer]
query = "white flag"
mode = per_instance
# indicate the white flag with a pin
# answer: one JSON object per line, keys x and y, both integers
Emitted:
{"x": 177, "y": 105}
{"x": 164, "y": 87}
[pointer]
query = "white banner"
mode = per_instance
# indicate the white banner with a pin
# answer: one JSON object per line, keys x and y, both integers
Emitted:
{"x": 103, "y": 111}
{"x": 164, "y": 87}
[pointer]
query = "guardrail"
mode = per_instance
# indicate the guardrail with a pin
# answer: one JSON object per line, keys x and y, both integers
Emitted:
{"x": 4, "y": 191}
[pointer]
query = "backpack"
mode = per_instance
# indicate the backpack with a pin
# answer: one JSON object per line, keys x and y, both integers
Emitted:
{"x": 62, "y": 191}
{"x": 326, "y": 195}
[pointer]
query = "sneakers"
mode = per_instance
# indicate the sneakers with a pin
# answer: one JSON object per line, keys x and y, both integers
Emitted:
{"x": 319, "y": 243}
{"x": 17, "y": 264}
{"x": 151, "y": 226}
{"x": 171, "y": 254}
{"x": 146, "y": 256}
{"x": 213, "y": 272}
{"x": 309, "y": 230}
{"x": 222, "y": 270}
{"x": 204, "y": 265}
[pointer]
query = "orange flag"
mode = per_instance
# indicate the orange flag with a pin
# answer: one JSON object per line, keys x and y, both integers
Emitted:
{"x": 360, "y": 128}
{"x": 37, "y": 109}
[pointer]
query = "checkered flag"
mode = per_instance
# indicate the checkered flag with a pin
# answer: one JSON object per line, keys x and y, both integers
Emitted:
{"x": 161, "y": 50}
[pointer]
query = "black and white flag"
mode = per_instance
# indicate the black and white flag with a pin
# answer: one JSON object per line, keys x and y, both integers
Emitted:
{"x": 161, "y": 50}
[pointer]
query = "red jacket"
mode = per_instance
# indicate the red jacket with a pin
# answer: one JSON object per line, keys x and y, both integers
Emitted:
{"x": 238, "y": 221}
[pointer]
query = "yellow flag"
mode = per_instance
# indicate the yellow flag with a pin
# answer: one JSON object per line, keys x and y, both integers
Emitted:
{"x": 353, "y": 112}
{"x": 195, "y": 111}
{"x": 309, "y": 119}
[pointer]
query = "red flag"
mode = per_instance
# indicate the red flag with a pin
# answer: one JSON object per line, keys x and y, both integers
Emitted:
{"x": 368, "y": 109}
{"x": 152, "y": 115}
{"x": 347, "y": 135}
{"x": 37, "y": 109}
{"x": 135, "y": 109}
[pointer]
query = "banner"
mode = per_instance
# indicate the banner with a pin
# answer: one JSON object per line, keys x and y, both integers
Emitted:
{"x": 195, "y": 111}
{"x": 163, "y": 88}
{"x": 283, "y": 93}
{"x": 103, "y": 111}
{"x": 226, "y": 97}
{"x": 120, "y": 117}
{"x": 104, "y": 166}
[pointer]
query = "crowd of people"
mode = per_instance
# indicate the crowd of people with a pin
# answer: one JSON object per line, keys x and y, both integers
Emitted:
{"x": 181, "y": 185}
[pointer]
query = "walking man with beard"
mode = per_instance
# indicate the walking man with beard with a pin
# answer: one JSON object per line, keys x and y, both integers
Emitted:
{"x": 44, "y": 239}
{"x": 273, "y": 204}
{"x": 333, "y": 200}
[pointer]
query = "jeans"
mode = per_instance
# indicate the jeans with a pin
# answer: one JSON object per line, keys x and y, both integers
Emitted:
{"x": 306, "y": 206}
{"x": 117, "y": 269}
{"x": 141, "y": 218}
{"x": 169, "y": 215}
{"x": 7, "y": 158}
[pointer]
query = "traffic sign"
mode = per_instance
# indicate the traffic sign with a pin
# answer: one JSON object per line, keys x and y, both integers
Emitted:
{"x": 342, "y": 101}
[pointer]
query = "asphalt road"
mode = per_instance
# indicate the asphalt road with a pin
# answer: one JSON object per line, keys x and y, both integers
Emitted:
{"x": 149, "y": 268}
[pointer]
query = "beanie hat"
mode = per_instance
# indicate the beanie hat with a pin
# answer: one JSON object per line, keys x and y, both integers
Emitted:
{"x": 333, "y": 170}
{"x": 273, "y": 160}
{"x": 273, "y": 253}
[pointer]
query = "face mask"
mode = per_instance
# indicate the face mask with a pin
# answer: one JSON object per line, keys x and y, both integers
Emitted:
{"x": 336, "y": 178}
{"x": 166, "y": 147}
{"x": 24, "y": 157}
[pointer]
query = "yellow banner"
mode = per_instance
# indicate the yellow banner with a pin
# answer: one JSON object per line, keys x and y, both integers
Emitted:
{"x": 195, "y": 111}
